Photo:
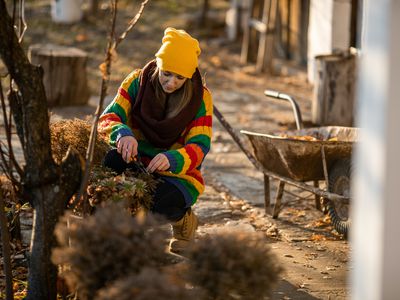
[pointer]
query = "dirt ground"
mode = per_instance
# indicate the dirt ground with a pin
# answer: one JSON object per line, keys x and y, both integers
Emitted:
{"x": 315, "y": 257}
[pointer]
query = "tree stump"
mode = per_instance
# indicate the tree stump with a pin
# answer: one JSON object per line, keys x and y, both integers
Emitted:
{"x": 65, "y": 78}
{"x": 334, "y": 89}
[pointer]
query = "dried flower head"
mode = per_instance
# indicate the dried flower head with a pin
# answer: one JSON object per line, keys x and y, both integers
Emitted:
{"x": 233, "y": 266}
{"x": 106, "y": 246}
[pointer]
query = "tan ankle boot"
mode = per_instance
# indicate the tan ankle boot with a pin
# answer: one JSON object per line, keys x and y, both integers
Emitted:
{"x": 183, "y": 232}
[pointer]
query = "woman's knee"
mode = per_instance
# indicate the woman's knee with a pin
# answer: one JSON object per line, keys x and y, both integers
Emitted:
{"x": 169, "y": 202}
{"x": 114, "y": 161}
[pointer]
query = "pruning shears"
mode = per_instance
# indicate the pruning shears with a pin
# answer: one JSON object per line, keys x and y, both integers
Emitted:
{"x": 139, "y": 165}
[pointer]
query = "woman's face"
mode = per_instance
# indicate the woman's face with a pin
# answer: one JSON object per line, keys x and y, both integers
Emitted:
{"x": 170, "y": 81}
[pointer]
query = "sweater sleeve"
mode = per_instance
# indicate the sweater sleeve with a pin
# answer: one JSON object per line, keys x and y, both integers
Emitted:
{"x": 197, "y": 140}
{"x": 113, "y": 122}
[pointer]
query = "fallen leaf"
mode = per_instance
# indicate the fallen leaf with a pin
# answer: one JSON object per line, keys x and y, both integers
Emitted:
{"x": 81, "y": 37}
{"x": 318, "y": 237}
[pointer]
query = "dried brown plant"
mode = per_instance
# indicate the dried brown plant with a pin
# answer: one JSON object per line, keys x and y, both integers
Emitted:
{"x": 132, "y": 189}
{"x": 12, "y": 207}
{"x": 6, "y": 187}
{"x": 149, "y": 284}
{"x": 233, "y": 266}
{"x": 106, "y": 246}
{"x": 75, "y": 133}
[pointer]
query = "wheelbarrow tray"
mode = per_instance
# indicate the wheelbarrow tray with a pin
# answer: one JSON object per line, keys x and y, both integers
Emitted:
{"x": 286, "y": 155}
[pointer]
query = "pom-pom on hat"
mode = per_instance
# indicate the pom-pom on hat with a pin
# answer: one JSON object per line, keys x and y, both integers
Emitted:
{"x": 178, "y": 53}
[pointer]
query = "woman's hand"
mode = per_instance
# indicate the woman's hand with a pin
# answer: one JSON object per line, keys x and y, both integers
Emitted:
{"x": 127, "y": 147}
{"x": 159, "y": 163}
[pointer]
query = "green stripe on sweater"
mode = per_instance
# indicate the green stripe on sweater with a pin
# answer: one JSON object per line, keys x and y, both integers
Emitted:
{"x": 133, "y": 89}
{"x": 117, "y": 109}
{"x": 200, "y": 139}
{"x": 147, "y": 149}
{"x": 202, "y": 110}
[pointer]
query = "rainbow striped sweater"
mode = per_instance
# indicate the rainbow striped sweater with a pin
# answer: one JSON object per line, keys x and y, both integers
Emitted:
{"x": 185, "y": 155}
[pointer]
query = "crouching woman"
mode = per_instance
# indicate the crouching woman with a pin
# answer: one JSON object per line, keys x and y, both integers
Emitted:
{"x": 162, "y": 115}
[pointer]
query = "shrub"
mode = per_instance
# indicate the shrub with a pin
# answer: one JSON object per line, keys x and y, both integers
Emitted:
{"x": 233, "y": 266}
{"x": 106, "y": 246}
{"x": 148, "y": 285}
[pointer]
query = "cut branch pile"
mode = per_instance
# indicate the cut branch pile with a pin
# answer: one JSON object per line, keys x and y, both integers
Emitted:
{"x": 133, "y": 190}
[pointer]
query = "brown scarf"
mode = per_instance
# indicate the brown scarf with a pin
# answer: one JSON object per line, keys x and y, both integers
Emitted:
{"x": 163, "y": 132}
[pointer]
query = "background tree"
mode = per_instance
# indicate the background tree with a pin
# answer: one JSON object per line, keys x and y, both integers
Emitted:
{"x": 47, "y": 185}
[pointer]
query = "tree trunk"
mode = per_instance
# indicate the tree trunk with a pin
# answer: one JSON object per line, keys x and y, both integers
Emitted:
{"x": 94, "y": 7}
{"x": 44, "y": 182}
{"x": 203, "y": 13}
{"x": 51, "y": 203}
{"x": 64, "y": 77}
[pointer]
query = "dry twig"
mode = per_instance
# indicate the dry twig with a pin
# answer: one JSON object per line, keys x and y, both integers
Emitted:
{"x": 105, "y": 68}
{"x": 5, "y": 240}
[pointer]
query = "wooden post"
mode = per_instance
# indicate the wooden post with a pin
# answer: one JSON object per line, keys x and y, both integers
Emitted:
{"x": 94, "y": 7}
{"x": 267, "y": 195}
{"x": 64, "y": 78}
{"x": 203, "y": 14}
{"x": 244, "y": 55}
{"x": 278, "y": 199}
{"x": 263, "y": 31}
{"x": 266, "y": 44}
{"x": 333, "y": 98}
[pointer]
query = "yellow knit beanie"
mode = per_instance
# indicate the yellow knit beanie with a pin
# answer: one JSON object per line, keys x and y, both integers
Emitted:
{"x": 178, "y": 53}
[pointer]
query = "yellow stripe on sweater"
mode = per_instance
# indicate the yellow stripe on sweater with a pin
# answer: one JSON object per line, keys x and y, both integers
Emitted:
{"x": 125, "y": 104}
{"x": 186, "y": 159}
{"x": 131, "y": 77}
{"x": 206, "y": 130}
{"x": 208, "y": 101}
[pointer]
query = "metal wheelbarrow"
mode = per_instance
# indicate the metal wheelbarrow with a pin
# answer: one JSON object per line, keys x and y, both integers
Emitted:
{"x": 305, "y": 155}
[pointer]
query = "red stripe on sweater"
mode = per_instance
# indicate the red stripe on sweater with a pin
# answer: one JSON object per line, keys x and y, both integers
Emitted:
{"x": 124, "y": 94}
{"x": 202, "y": 121}
{"x": 196, "y": 175}
{"x": 192, "y": 155}
{"x": 111, "y": 117}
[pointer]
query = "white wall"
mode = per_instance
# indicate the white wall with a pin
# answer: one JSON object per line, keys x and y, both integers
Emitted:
{"x": 329, "y": 29}
{"x": 375, "y": 234}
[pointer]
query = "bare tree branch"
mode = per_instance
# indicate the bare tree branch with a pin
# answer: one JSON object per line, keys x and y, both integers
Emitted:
{"x": 5, "y": 239}
{"x": 4, "y": 157}
{"x": 8, "y": 128}
{"x": 106, "y": 69}
{"x": 22, "y": 24}
{"x": 15, "y": 102}
{"x": 29, "y": 80}
{"x": 131, "y": 24}
{"x": 48, "y": 185}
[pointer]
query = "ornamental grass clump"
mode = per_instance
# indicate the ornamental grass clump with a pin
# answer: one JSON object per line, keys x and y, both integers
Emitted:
{"x": 108, "y": 245}
{"x": 149, "y": 284}
{"x": 75, "y": 133}
{"x": 233, "y": 266}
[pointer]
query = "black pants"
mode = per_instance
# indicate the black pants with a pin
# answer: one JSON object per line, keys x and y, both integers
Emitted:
{"x": 168, "y": 201}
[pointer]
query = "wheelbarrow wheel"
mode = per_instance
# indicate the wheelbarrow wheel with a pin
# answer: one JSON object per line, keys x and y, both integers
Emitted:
{"x": 339, "y": 183}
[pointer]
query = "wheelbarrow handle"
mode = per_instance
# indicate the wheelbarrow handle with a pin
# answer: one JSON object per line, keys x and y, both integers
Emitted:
{"x": 295, "y": 106}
